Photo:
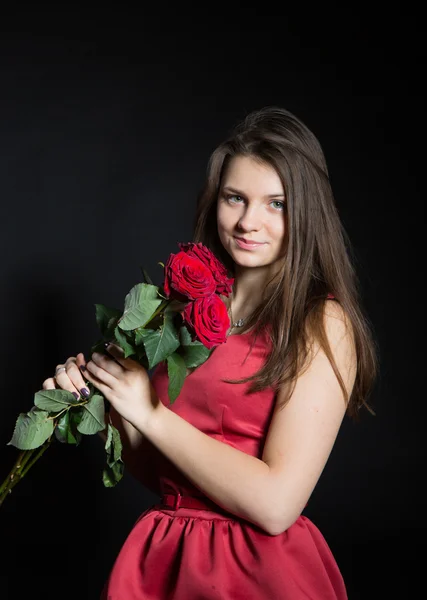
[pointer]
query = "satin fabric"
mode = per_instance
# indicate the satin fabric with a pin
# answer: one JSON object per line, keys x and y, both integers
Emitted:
{"x": 194, "y": 554}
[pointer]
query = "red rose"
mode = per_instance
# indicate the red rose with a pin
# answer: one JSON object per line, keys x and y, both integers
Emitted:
{"x": 208, "y": 320}
{"x": 219, "y": 272}
{"x": 187, "y": 278}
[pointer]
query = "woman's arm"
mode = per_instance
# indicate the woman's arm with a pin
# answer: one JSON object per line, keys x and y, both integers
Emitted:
{"x": 301, "y": 435}
{"x": 271, "y": 492}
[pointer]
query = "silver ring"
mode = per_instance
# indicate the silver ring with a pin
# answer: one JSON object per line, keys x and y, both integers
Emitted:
{"x": 59, "y": 370}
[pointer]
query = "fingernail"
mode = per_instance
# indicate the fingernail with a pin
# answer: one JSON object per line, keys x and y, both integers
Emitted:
{"x": 85, "y": 392}
{"x": 75, "y": 394}
{"x": 82, "y": 368}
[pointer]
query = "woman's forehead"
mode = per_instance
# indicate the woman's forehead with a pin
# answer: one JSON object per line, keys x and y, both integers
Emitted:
{"x": 250, "y": 175}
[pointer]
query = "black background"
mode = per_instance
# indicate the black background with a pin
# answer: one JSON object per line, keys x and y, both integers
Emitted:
{"x": 107, "y": 122}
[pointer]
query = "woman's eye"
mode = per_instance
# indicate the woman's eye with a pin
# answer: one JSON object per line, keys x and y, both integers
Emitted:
{"x": 278, "y": 204}
{"x": 234, "y": 198}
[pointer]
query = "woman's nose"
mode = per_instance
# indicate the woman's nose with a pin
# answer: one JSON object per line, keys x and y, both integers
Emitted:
{"x": 251, "y": 219}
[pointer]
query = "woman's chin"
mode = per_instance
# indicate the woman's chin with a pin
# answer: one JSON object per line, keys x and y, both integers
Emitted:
{"x": 255, "y": 262}
{"x": 248, "y": 263}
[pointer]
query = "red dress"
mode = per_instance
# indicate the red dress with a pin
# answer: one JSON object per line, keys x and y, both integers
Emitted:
{"x": 179, "y": 553}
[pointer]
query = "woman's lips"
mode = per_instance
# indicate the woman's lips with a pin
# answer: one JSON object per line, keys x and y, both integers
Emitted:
{"x": 248, "y": 244}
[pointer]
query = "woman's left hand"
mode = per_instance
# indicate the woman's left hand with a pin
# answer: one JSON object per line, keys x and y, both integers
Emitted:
{"x": 125, "y": 384}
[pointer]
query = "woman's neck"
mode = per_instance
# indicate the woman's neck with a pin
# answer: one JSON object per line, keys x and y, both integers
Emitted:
{"x": 248, "y": 291}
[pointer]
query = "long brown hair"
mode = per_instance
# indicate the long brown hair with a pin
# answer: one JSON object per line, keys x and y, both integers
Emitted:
{"x": 319, "y": 257}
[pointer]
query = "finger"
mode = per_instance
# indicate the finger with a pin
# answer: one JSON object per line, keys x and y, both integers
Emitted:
{"x": 118, "y": 354}
{"x": 95, "y": 369}
{"x": 63, "y": 382}
{"x": 80, "y": 359}
{"x": 76, "y": 375}
{"x": 108, "y": 363}
{"x": 72, "y": 379}
{"x": 49, "y": 384}
{"x": 92, "y": 378}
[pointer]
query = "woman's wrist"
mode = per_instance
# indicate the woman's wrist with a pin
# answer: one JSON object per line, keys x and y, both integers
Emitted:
{"x": 150, "y": 422}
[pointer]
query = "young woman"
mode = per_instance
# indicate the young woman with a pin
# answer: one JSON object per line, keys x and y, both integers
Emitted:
{"x": 238, "y": 454}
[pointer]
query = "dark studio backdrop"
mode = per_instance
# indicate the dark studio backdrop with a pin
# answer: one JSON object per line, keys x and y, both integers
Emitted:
{"x": 105, "y": 132}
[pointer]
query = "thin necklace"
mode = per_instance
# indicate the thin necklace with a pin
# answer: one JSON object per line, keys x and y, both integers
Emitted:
{"x": 238, "y": 323}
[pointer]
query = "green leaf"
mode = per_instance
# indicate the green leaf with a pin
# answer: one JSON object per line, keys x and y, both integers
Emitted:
{"x": 114, "y": 469}
{"x": 107, "y": 318}
{"x": 175, "y": 306}
{"x": 160, "y": 343}
{"x": 113, "y": 444}
{"x": 112, "y": 474}
{"x": 124, "y": 343}
{"x": 98, "y": 346}
{"x": 194, "y": 355}
{"x": 154, "y": 323}
{"x": 176, "y": 372}
{"x": 32, "y": 429}
{"x": 141, "y": 357}
{"x": 53, "y": 400}
{"x": 140, "y": 304}
{"x": 76, "y": 415}
{"x": 93, "y": 419}
{"x": 139, "y": 336}
{"x": 65, "y": 431}
{"x": 184, "y": 336}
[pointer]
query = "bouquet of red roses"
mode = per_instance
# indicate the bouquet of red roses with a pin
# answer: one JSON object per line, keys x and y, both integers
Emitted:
{"x": 179, "y": 322}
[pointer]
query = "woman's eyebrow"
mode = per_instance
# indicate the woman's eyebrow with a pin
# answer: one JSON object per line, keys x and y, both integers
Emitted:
{"x": 240, "y": 193}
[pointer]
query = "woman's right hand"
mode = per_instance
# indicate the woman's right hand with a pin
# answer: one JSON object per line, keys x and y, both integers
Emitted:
{"x": 68, "y": 376}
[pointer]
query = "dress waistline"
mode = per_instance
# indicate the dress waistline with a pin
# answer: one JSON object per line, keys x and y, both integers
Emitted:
{"x": 173, "y": 501}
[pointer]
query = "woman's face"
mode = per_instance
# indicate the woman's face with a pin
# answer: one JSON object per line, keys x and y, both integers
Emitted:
{"x": 251, "y": 213}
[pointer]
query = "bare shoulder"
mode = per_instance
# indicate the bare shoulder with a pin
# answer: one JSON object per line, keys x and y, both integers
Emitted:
{"x": 340, "y": 336}
{"x": 334, "y": 313}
